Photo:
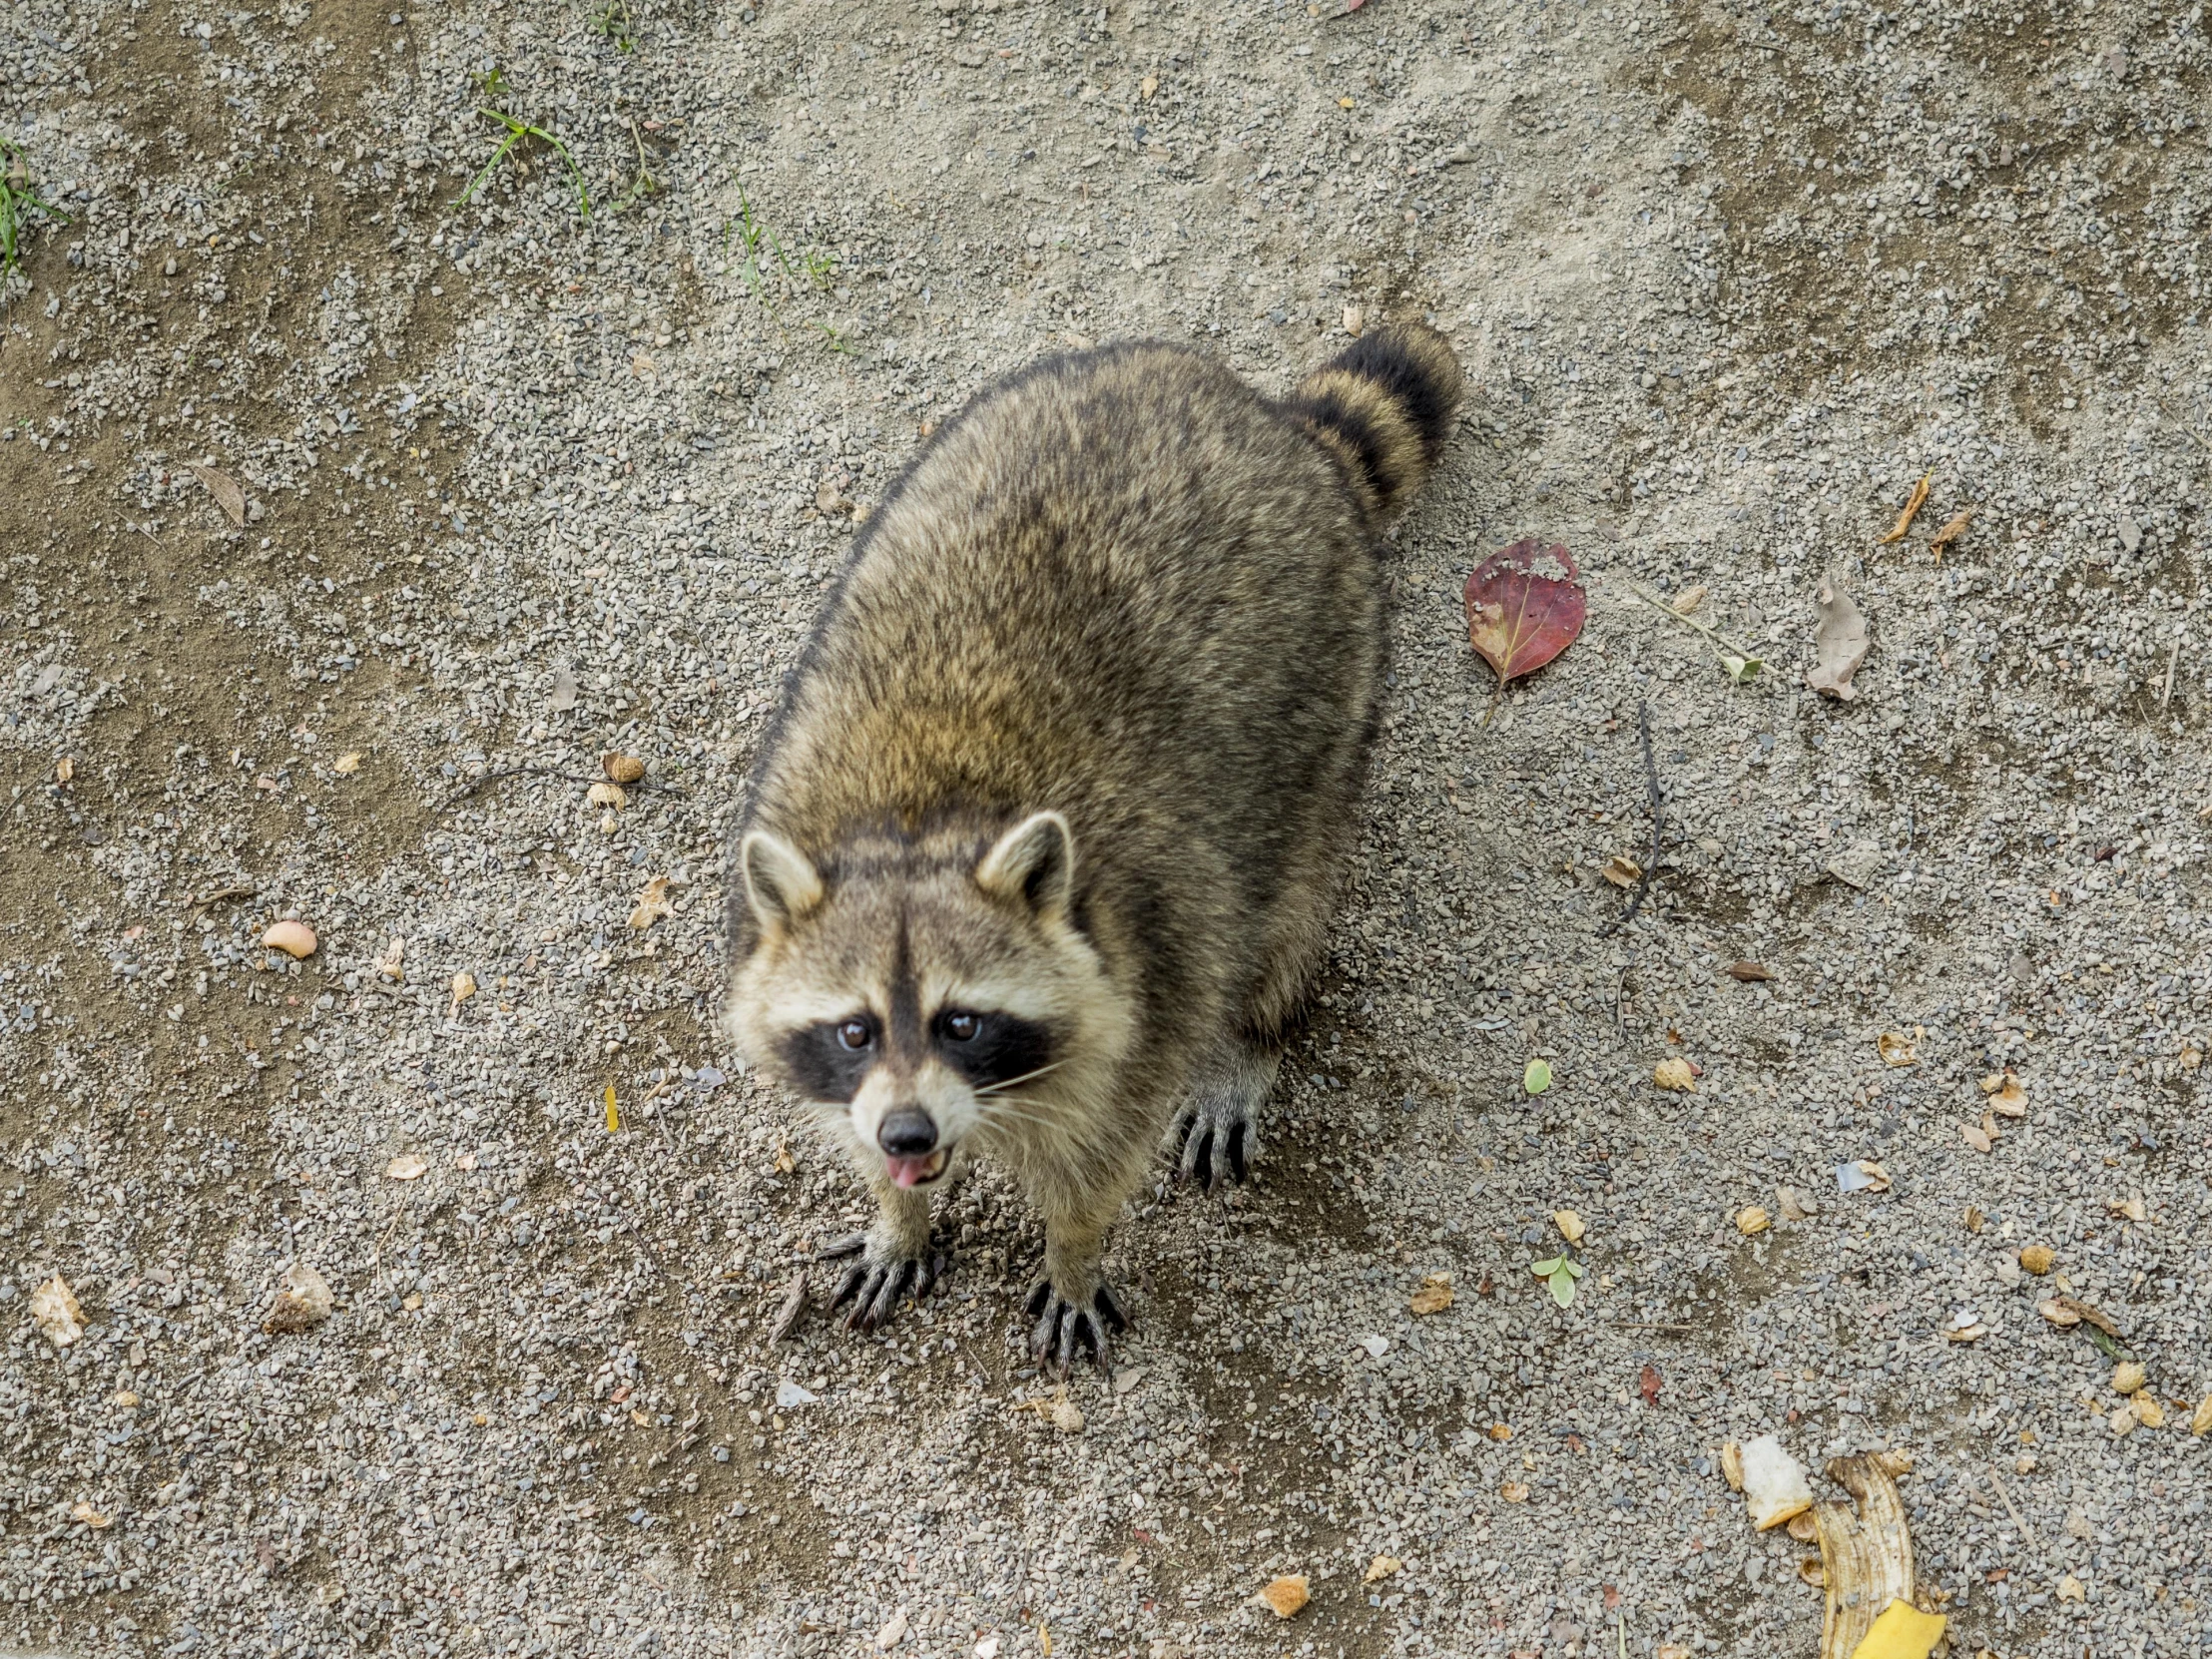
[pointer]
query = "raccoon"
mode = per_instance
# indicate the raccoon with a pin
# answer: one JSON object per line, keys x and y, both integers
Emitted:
{"x": 1043, "y": 844}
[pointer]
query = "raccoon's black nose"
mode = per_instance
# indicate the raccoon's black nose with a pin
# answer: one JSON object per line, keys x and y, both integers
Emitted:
{"x": 907, "y": 1133}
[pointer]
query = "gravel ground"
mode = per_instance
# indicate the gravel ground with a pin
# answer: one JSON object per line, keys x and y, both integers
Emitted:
{"x": 517, "y": 490}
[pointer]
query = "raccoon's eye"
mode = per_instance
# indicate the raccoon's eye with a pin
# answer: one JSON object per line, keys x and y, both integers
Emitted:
{"x": 961, "y": 1028}
{"x": 854, "y": 1035}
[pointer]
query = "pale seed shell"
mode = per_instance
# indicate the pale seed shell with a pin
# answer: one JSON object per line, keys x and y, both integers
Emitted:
{"x": 1752, "y": 1220}
{"x": 2128, "y": 1378}
{"x": 2147, "y": 1410}
{"x": 623, "y": 769}
{"x": 294, "y": 938}
{"x": 408, "y": 1166}
{"x": 1731, "y": 1466}
{"x": 464, "y": 987}
{"x": 2039, "y": 1259}
{"x": 606, "y": 794}
{"x": 2200, "y": 1423}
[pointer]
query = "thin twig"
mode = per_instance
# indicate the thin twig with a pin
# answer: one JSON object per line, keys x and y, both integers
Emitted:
{"x": 2172, "y": 657}
{"x": 244, "y": 889}
{"x": 1651, "y": 865}
{"x": 2026, "y": 1531}
{"x": 1648, "y": 1324}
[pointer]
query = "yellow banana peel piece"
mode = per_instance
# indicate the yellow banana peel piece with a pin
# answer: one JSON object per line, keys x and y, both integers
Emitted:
{"x": 1902, "y": 1632}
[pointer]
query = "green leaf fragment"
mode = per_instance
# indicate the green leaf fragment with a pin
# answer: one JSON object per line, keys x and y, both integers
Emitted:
{"x": 1562, "y": 1284}
{"x": 1544, "y": 1270}
{"x": 1538, "y": 1077}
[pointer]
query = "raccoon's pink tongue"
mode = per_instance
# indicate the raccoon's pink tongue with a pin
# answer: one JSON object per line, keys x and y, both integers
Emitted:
{"x": 911, "y": 1172}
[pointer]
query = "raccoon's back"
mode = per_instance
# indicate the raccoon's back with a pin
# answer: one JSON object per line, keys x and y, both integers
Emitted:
{"x": 1122, "y": 585}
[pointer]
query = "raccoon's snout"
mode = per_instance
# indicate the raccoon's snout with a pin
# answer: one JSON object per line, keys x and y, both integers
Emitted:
{"x": 907, "y": 1133}
{"x": 911, "y": 1156}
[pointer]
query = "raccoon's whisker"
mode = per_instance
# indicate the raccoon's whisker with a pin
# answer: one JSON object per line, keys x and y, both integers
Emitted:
{"x": 1008, "y": 1082}
{"x": 1000, "y": 1111}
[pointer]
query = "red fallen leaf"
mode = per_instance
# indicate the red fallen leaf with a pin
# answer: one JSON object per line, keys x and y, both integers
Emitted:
{"x": 1647, "y": 1385}
{"x": 1520, "y": 614}
{"x": 1612, "y": 1597}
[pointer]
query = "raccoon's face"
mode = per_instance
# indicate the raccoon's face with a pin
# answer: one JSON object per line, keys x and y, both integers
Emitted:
{"x": 921, "y": 997}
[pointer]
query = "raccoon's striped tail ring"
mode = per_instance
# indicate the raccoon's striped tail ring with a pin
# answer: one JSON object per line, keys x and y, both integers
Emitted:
{"x": 1384, "y": 408}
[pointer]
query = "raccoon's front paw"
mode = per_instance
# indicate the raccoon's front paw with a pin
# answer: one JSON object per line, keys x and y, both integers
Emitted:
{"x": 1216, "y": 1133}
{"x": 1065, "y": 1328}
{"x": 880, "y": 1276}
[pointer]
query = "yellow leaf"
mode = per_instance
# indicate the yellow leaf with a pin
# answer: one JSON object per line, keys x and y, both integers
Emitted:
{"x": 1571, "y": 1226}
{"x": 1434, "y": 1295}
{"x": 1752, "y": 1220}
{"x": 1343, "y": 103}
{"x": 1902, "y": 1632}
{"x": 614, "y": 1117}
{"x": 1381, "y": 1568}
{"x": 351, "y": 761}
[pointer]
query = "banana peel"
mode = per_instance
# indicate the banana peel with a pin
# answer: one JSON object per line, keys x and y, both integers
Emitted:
{"x": 1866, "y": 1559}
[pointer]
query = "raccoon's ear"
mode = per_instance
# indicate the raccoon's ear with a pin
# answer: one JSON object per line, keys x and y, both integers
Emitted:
{"x": 778, "y": 882}
{"x": 1034, "y": 863}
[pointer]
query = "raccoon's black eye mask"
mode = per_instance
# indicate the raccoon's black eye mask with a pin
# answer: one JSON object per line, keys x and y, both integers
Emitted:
{"x": 831, "y": 1060}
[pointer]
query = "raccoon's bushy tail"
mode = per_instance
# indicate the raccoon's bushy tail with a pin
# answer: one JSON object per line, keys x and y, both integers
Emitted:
{"x": 1383, "y": 407}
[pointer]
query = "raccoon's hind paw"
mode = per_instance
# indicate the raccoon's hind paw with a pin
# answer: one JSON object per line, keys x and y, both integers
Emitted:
{"x": 1064, "y": 1329}
{"x": 880, "y": 1278}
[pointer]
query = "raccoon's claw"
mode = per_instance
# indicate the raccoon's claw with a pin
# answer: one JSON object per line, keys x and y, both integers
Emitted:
{"x": 876, "y": 1281}
{"x": 1216, "y": 1142}
{"x": 1063, "y": 1330}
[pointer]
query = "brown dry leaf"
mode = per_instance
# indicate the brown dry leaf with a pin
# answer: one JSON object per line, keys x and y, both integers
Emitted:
{"x": 1571, "y": 1226}
{"x": 795, "y": 1303}
{"x": 1975, "y": 1137}
{"x": 1840, "y": 643}
{"x": 786, "y": 1159}
{"x": 346, "y": 763}
{"x": 2132, "y": 1207}
{"x": 83, "y": 1515}
{"x": 464, "y": 987}
{"x": 1912, "y": 504}
{"x": 1622, "y": 872}
{"x": 408, "y": 1166}
{"x": 653, "y": 903}
{"x": 1688, "y": 600}
{"x": 1752, "y": 1220}
{"x": 302, "y": 1301}
{"x": 1514, "y": 1491}
{"x": 1287, "y": 1595}
{"x": 2006, "y": 1097}
{"x": 54, "y": 1311}
{"x": 2056, "y": 1311}
{"x": 2039, "y": 1259}
{"x": 1878, "y": 1178}
{"x": 64, "y": 769}
{"x": 1950, "y": 532}
{"x": 225, "y": 491}
{"x": 621, "y": 768}
{"x": 1381, "y": 1568}
{"x": 1865, "y": 1557}
{"x": 1750, "y": 973}
{"x": 1675, "y": 1074}
{"x": 1434, "y": 1295}
{"x": 2082, "y": 1311}
{"x": 1966, "y": 1332}
{"x": 1975, "y": 1220}
{"x": 1897, "y": 1049}
{"x": 2147, "y": 1410}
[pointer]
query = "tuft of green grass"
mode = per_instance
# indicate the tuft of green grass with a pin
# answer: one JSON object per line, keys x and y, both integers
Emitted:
{"x": 517, "y": 131}
{"x": 19, "y": 197}
{"x": 614, "y": 21}
{"x": 644, "y": 185}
